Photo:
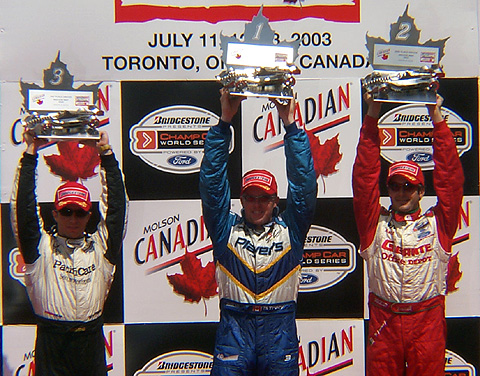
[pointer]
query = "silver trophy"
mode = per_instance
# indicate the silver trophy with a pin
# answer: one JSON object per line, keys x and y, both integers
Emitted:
{"x": 405, "y": 86}
{"x": 65, "y": 125}
{"x": 258, "y": 66}
{"x": 405, "y": 70}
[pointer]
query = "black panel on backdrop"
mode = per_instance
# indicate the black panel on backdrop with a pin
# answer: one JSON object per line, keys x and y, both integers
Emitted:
{"x": 461, "y": 96}
{"x": 16, "y": 305}
{"x": 463, "y": 338}
{"x": 146, "y": 342}
{"x": 139, "y": 99}
{"x": 344, "y": 299}
{"x": 1, "y": 346}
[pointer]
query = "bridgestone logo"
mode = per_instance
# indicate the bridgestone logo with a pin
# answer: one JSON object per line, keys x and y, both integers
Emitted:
{"x": 182, "y": 120}
{"x": 185, "y": 365}
{"x": 410, "y": 117}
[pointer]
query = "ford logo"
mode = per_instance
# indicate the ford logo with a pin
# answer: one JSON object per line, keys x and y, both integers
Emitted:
{"x": 182, "y": 160}
{"x": 308, "y": 279}
{"x": 420, "y": 157}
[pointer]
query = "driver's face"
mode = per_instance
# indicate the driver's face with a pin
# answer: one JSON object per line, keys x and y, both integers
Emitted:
{"x": 258, "y": 206}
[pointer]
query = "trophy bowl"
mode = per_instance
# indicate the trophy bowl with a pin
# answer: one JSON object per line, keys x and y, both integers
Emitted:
{"x": 65, "y": 125}
{"x": 406, "y": 86}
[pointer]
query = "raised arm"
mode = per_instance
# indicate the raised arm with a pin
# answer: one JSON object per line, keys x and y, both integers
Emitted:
{"x": 113, "y": 204}
{"x": 24, "y": 211}
{"x": 302, "y": 181}
{"x": 366, "y": 175}
{"x": 448, "y": 176}
{"x": 214, "y": 185}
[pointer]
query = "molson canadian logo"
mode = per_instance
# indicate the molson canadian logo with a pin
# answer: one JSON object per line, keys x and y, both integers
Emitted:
{"x": 327, "y": 259}
{"x": 331, "y": 347}
{"x": 171, "y": 139}
{"x": 178, "y": 363}
{"x": 406, "y": 133}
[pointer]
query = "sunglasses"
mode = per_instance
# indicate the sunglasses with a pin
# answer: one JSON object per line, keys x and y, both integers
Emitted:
{"x": 79, "y": 213}
{"x": 407, "y": 187}
{"x": 261, "y": 199}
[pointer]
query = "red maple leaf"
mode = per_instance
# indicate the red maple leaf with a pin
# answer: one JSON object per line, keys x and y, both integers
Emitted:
{"x": 325, "y": 156}
{"x": 454, "y": 274}
{"x": 76, "y": 161}
{"x": 196, "y": 282}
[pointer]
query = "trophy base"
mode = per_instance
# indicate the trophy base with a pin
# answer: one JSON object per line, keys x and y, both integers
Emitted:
{"x": 282, "y": 94}
{"x": 77, "y": 137}
{"x": 409, "y": 96}
{"x": 66, "y": 133}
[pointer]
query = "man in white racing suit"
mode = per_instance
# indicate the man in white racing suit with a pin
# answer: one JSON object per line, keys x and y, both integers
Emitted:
{"x": 68, "y": 271}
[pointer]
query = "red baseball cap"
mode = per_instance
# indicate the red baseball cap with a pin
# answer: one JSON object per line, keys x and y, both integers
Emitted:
{"x": 260, "y": 178}
{"x": 408, "y": 169}
{"x": 73, "y": 194}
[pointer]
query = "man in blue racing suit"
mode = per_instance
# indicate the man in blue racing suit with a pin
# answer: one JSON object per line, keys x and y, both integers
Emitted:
{"x": 258, "y": 255}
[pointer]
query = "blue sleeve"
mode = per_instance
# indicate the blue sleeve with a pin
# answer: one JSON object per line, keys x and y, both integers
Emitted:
{"x": 302, "y": 184}
{"x": 214, "y": 185}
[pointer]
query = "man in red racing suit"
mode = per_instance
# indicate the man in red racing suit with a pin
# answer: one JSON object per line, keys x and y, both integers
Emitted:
{"x": 406, "y": 252}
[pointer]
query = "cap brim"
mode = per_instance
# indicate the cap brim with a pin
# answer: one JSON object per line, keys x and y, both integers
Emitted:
{"x": 410, "y": 178}
{"x": 74, "y": 204}
{"x": 264, "y": 188}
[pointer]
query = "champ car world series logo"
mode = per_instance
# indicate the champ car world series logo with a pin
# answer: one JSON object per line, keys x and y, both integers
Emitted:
{"x": 406, "y": 133}
{"x": 171, "y": 139}
{"x": 327, "y": 259}
{"x": 455, "y": 365}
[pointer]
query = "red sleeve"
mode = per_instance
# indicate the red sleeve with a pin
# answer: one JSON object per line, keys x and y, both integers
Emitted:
{"x": 365, "y": 180}
{"x": 448, "y": 181}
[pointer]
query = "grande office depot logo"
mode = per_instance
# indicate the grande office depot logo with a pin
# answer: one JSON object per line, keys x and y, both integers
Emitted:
{"x": 183, "y": 362}
{"x": 327, "y": 259}
{"x": 406, "y": 133}
{"x": 171, "y": 139}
